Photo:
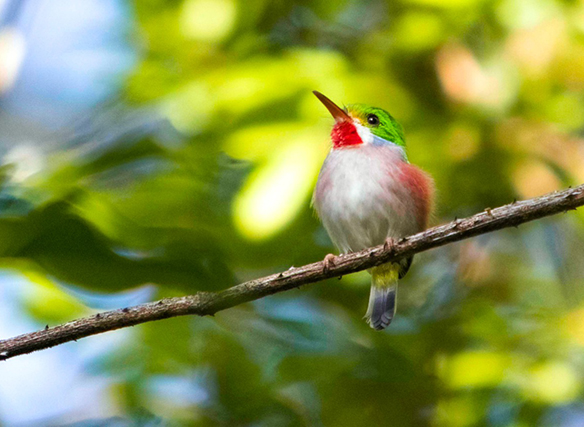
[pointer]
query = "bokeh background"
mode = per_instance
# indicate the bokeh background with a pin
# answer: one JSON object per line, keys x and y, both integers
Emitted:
{"x": 155, "y": 148}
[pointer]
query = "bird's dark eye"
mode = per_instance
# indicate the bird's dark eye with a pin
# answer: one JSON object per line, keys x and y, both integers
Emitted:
{"x": 373, "y": 120}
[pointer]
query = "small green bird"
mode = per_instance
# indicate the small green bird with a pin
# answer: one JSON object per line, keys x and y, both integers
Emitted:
{"x": 368, "y": 193}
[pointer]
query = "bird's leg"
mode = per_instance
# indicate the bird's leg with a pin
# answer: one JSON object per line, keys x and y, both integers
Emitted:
{"x": 388, "y": 244}
{"x": 328, "y": 263}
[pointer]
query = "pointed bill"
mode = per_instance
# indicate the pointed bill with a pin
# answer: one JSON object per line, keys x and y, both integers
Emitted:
{"x": 337, "y": 112}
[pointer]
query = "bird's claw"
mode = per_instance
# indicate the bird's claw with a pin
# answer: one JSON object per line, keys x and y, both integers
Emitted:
{"x": 328, "y": 263}
{"x": 388, "y": 244}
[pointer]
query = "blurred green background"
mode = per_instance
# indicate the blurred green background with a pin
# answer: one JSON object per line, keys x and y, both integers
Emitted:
{"x": 196, "y": 173}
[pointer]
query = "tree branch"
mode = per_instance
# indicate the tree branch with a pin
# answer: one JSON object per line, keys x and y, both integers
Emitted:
{"x": 207, "y": 303}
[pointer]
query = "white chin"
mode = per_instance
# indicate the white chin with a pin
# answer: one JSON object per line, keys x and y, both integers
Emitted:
{"x": 364, "y": 133}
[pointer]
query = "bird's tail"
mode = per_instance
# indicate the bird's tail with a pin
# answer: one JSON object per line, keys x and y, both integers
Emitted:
{"x": 383, "y": 297}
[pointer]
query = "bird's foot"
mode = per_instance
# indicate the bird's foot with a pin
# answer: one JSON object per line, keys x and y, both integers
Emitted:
{"x": 388, "y": 244}
{"x": 328, "y": 263}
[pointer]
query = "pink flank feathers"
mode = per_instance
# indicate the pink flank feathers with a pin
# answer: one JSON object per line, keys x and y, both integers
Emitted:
{"x": 421, "y": 189}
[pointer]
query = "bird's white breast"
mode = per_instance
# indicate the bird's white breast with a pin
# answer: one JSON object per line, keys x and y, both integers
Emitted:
{"x": 360, "y": 197}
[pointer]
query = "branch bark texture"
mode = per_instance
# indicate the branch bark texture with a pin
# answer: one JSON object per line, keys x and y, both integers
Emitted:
{"x": 207, "y": 303}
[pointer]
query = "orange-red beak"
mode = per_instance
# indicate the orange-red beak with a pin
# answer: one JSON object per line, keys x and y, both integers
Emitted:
{"x": 337, "y": 112}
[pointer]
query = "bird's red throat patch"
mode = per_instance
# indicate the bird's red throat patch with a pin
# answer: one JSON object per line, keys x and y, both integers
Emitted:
{"x": 344, "y": 134}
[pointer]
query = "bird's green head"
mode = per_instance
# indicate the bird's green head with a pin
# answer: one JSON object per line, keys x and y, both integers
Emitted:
{"x": 359, "y": 124}
{"x": 379, "y": 122}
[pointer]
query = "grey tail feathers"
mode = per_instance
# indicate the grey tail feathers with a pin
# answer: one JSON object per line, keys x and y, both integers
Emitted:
{"x": 383, "y": 296}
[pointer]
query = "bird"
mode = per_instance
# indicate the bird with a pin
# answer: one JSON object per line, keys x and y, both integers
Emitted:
{"x": 368, "y": 193}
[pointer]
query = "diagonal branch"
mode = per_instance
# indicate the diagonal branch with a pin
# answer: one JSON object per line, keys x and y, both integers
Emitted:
{"x": 206, "y": 303}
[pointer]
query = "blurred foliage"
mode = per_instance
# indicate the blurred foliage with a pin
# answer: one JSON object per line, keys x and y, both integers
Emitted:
{"x": 490, "y": 331}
